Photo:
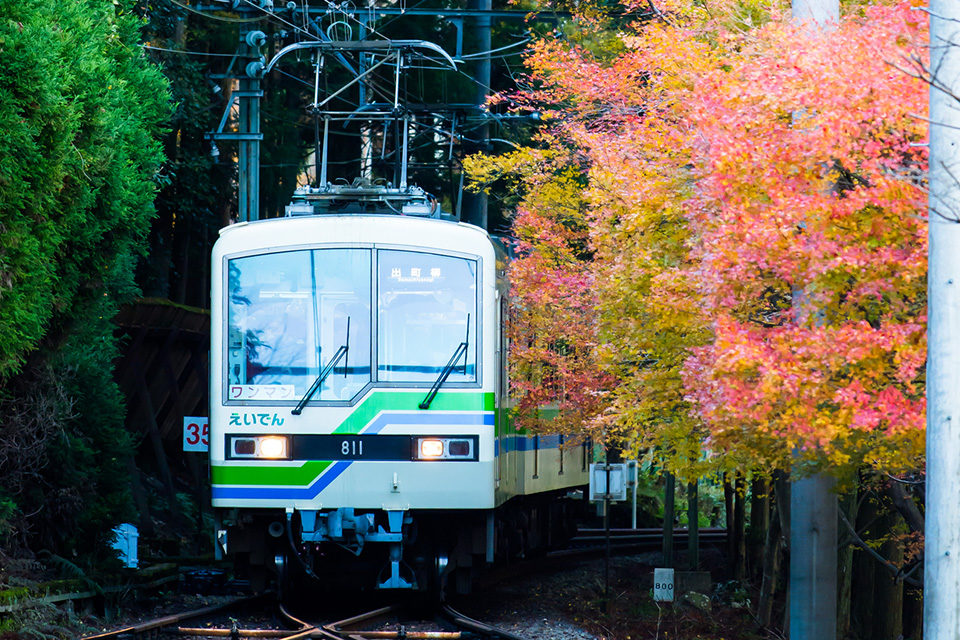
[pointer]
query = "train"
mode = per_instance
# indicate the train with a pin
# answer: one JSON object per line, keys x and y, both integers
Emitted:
{"x": 360, "y": 415}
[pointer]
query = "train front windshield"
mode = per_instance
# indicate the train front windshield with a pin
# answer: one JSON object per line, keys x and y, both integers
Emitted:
{"x": 290, "y": 313}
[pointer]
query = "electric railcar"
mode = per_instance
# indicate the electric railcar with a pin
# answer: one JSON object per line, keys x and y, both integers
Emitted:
{"x": 358, "y": 419}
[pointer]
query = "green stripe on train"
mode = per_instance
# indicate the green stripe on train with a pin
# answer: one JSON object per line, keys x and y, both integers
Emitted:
{"x": 366, "y": 411}
{"x": 293, "y": 476}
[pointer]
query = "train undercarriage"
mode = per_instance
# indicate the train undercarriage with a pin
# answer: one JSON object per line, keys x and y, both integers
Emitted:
{"x": 421, "y": 550}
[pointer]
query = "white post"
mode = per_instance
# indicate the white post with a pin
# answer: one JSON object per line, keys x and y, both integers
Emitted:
{"x": 941, "y": 608}
{"x": 817, "y": 14}
{"x": 813, "y": 504}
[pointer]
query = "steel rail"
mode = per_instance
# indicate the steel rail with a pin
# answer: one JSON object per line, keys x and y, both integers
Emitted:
{"x": 230, "y": 633}
{"x": 166, "y": 621}
{"x": 476, "y": 626}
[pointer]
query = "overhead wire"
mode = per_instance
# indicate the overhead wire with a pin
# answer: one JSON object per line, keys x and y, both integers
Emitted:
{"x": 373, "y": 81}
{"x": 480, "y": 54}
{"x": 270, "y": 15}
{"x": 273, "y": 16}
{"x": 187, "y": 52}
{"x": 211, "y": 15}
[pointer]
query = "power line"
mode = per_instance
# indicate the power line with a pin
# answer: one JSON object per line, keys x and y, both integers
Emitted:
{"x": 184, "y": 51}
{"x": 503, "y": 48}
{"x": 213, "y": 16}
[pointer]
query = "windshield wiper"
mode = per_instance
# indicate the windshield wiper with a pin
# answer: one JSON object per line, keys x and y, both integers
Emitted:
{"x": 448, "y": 368}
{"x": 337, "y": 357}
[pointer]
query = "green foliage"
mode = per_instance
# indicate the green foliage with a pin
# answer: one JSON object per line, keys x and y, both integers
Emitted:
{"x": 80, "y": 113}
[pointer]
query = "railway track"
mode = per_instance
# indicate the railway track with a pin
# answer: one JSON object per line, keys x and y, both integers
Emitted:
{"x": 383, "y": 623}
{"x": 152, "y": 628}
{"x": 443, "y": 623}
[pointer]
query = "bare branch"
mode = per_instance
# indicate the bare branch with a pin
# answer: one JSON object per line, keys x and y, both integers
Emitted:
{"x": 892, "y": 568}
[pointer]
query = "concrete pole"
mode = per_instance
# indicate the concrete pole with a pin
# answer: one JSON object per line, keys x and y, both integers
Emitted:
{"x": 474, "y": 205}
{"x": 817, "y": 14}
{"x": 941, "y": 607}
{"x": 813, "y": 504}
{"x": 248, "y": 156}
{"x": 813, "y": 559}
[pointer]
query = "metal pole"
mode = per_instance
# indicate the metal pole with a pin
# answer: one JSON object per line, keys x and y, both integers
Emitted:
{"x": 248, "y": 160}
{"x": 403, "y": 160}
{"x": 326, "y": 147}
{"x": 474, "y": 205}
{"x": 941, "y": 613}
{"x": 366, "y": 131}
{"x": 606, "y": 528}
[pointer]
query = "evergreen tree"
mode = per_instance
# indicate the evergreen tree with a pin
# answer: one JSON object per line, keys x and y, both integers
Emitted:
{"x": 80, "y": 114}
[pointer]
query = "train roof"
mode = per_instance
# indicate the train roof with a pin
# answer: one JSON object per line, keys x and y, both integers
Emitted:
{"x": 384, "y": 229}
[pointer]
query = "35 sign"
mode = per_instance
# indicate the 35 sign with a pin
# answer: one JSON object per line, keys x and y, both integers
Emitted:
{"x": 196, "y": 433}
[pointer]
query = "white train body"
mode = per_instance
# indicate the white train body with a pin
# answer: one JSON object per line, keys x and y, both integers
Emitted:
{"x": 377, "y": 313}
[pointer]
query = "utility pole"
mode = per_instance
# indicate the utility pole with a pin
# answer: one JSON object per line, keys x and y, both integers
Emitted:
{"x": 248, "y": 131}
{"x": 813, "y": 503}
{"x": 941, "y": 611}
{"x": 474, "y": 208}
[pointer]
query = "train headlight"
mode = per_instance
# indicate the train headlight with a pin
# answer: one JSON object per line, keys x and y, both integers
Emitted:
{"x": 265, "y": 447}
{"x": 273, "y": 447}
{"x": 446, "y": 448}
{"x": 430, "y": 448}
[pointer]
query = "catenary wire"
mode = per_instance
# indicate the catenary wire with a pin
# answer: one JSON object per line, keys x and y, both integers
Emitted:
{"x": 214, "y": 16}
{"x": 184, "y": 51}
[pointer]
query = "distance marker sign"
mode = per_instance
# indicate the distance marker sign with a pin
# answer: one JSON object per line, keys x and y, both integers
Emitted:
{"x": 196, "y": 433}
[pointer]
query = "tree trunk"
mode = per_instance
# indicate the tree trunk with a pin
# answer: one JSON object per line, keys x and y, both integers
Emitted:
{"x": 862, "y": 606}
{"x": 728, "y": 519}
{"x": 913, "y": 614}
{"x": 759, "y": 523}
{"x": 770, "y": 570}
{"x": 888, "y": 592}
{"x": 845, "y": 568}
{"x": 145, "y": 520}
{"x": 739, "y": 527}
{"x": 668, "y": 516}
{"x": 693, "y": 526}
{"x": 781, "y": 483}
